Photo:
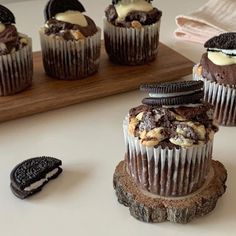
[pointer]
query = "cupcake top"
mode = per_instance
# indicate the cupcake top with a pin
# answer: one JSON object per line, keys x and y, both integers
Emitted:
{"x": 219, "y": 63}
{"x": 132, "y": 13}
{"x": 10, "y": 39}
{"x": 173, "y": 116}
{"x": 65, "y": 19}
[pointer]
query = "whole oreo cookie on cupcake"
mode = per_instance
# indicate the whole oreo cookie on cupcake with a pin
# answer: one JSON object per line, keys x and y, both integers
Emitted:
{"x": 218, "y": 71}
{"x": 16, "y": 64}
{"x": 168, "y": 173}
{"x": 70, "y": 41}
{"x": 131, "y": 31}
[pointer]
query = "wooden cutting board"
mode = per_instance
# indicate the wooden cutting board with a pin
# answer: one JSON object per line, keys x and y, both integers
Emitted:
{"x": 48, "y": 94}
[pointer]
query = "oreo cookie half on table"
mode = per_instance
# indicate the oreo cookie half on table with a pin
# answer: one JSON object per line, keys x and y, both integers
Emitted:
{"x": 31, "y": 175}
{"x": 173, "y": 93}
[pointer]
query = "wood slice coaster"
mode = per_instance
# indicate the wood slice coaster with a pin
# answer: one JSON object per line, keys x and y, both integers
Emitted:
{"x": 155, "y": 209}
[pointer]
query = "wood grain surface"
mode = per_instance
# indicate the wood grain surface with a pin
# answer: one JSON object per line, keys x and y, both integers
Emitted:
{"x": 47, "y": 94}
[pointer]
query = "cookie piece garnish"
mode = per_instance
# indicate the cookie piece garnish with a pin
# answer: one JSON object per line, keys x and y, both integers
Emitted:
{"x": 54, "y": 7}
{"x": 222, "y": 41}
{"x": 31, "y": 175}
{"x": 6, "y": 16}
{"x": 175, "y": 93}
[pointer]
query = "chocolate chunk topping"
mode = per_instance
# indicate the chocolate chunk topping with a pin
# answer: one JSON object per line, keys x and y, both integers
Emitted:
{"x": 220, "y": 74}
{"x": 172, "y": 87}
{"x": 54, "y": 7}
{"x": 111, "y": 13}
{"x": 172, "y": 101}
{"x": 223, "y": 41}
{"x": 63, "y": 29}
{"x": 9, "y": 40}
{"x": 6, "y": 16}
{"x": 145, "y": 18}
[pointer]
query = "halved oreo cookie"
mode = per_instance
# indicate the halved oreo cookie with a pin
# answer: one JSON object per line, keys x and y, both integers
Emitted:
{"x": 223, "y": 41}
{"x": 31, "y": 175}
{"x": 54, "y": 7}
{"x": 6, "y": 16}
{"x": 175, "y": 93}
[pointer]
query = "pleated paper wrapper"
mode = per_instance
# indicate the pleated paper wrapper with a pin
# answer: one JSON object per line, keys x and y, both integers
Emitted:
{"x": 16, "y": 70}
{"x": 167, "y": 172}
{"x": 223, "y": 97}
{"x": 131, "y": 46}
{"x": 72, "y": 59}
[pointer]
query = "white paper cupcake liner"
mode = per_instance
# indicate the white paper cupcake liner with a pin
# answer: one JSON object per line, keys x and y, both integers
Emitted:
{"x": 70, "y": 60}
{"x": 167, "y": 172}
{"x": 131, "y": 46}
{"x": 223, "y": 97}
{"x": 16, "y": 70}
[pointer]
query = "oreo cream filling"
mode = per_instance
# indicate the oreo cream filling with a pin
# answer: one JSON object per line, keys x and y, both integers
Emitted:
{"x": 39, "y": 183}
{"x": 170, "y": 95}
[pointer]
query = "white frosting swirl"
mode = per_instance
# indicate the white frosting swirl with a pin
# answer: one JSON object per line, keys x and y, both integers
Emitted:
{"x": 73, "y": 17}
{"x": 221, "y": 59}
{"x": 2, "y": 27}
{"x": 123, "y": 8}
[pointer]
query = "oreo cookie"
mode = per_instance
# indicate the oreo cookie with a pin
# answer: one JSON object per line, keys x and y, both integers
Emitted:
{"x": 117, "y": 1}
{"x": 6, "y": 16}
{"x": 54, "y": 7}
{"x": 31, "y": 175}
{"x": 172, "y": 94}
{"x": 223, "y": 41}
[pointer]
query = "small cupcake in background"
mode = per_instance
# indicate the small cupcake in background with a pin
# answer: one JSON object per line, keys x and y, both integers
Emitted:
{"x": 218, "y": 71}
{"x": 16, "y": 61}
{"x": 70, "y": 41}
{"x": 131, "y": 31}
{"x": 169, "y": 139}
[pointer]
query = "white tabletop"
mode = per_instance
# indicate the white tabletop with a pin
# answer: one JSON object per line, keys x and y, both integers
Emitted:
{"x": 88, "y": 138}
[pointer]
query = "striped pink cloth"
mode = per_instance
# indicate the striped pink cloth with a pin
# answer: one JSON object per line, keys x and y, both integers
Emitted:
{"x": 213, "y": 18}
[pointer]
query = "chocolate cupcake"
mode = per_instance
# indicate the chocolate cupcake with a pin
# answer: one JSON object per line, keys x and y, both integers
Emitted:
{"x": 16, "y": 64}
{"x": 70, "y": 41}
{"x": 169, "y": 139}
{"x": 131, "y": 31}
{"x": 218, "y": 71}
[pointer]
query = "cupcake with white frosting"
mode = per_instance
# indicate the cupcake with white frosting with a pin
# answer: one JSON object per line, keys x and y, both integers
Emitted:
{"x": 70, "y": 41}
{"x": 16, "y": 64}
{"x": 131, "y": 31}
{"x": 217, "y": 69}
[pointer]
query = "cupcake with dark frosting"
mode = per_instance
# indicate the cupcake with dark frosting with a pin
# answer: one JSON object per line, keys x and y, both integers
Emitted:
{"x": 131, "y": 31}
{"x": 70, "y": 41}
{"x": 217, "y": 69}
{"x": 169, "y": 139}
{"x": 16, "y": 70}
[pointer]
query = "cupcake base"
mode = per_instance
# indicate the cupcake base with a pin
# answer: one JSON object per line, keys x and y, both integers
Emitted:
{"x": 152, "y": 208}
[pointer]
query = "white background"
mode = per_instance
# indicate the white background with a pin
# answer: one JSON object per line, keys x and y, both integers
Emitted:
{"x": 88, "y": 138}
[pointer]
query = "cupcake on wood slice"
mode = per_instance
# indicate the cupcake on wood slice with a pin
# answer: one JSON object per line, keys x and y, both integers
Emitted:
{"x": 218, "y": 71}
{"x": 131, "y": 31}
{"x": 169, "y": 139}
{"x": 168, "y": 173}
{"x": 70, "y": 41}
{"x": 16, "y": 65}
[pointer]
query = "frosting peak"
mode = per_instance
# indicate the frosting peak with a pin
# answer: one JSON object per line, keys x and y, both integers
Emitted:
{"x": 72, "y": 17}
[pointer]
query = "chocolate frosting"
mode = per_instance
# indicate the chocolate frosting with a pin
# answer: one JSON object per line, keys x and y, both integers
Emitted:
{"x": 9, "y": 39}
{"x": 145, "y": 18}
{"x": 220, "y": 74}
{"x": 61, "y": 28}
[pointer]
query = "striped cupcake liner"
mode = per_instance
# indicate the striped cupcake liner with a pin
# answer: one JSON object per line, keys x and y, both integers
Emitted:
{"x": 131, "y": 46}
{"x": 223, "y": 97}
{"x": 16, "y": 70}
{"x": 70, "y": 60}
{"x": 167, "y": 172}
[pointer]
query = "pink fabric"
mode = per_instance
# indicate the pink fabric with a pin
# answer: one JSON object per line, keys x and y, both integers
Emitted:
{"x": 213, "y": 18}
